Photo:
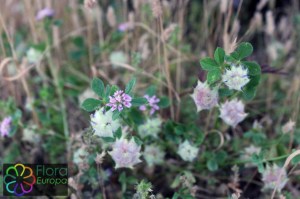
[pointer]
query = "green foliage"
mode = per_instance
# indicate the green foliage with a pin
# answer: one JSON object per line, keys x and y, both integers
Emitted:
{"x": 91, "y": 104}
{"x": 208, "y": 64}
{"x": 219, "y": 55}
{"x": 138, "y": 101}
{"x": 243, "y": 50}
{"x": 98, "y": 87}
{"x": 164, "y": 102}
{"x": 130, "y": 85}
{"x": 213, "y": 76}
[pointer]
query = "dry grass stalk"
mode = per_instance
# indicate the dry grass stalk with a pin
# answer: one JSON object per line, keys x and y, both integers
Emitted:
{"x": 261, "y": 4}
{"x": 223, "y": 6}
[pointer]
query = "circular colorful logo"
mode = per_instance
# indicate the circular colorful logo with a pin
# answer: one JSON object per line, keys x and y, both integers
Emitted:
{"x": 19, "y": 179}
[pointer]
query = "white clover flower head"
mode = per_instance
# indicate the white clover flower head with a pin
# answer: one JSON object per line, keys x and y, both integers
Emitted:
{"x": 187, "y": 151}
{"x": 274, "y": 177}
{"x": 125, "y": 153}
{"x": 288, "y": 127}
{"x": 150, "y": 128}
{"x": 233, "y": 112}
{"x": 236, "y": 77}
{"x": 257, "y": 125}
{"x": 103, "y": 123}
{"x": 118, "y": 57}
{"x": 80, "y": 155}
{"x": 30, "y": 134}
{"x": 153, "y": 155}
{"x": 204, "y": 97}
{"x": 248, "y": 152}
{"x": 33, "y": 55}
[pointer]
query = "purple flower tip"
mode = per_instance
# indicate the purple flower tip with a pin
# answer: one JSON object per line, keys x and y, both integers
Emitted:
{"x": 119, "y": 100}
{"x": 5, "y": 126}
{"x": 46, "y": 12}
{"x": 152, "y": 104}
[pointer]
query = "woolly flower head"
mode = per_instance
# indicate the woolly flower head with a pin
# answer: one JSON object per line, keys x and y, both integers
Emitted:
{"x": 118, "y": 57}
{"x": 80, "y": 155}
{"x": 204, "y": 97}
{"x": 248, "y": 152}
{"x": 187, "y": 151}
{"x": 288, "y": 127}
{"x": 103, "y": 123}
{"x": 30, "y": 134}
{"x": 33, "y": 55}
{"x": 119, "y": 100}
{"x": 153, "y": 155}
{"x": 153, "y": 101}
{"x": 274, "y": 175}
{"x": 125, "y": 153}
{"x": 232, "y": 112}
{"x": 236, "y": 77}
{"x": 150, "y": 128}
{"x": 5, "y": 126}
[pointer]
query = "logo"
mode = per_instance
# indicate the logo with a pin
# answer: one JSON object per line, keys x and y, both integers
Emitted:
{"x": 35, "y": 179}
{"x": 19, "y": 179}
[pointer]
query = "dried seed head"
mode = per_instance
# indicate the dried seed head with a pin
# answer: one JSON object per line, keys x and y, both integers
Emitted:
{"x": 257, "y": 21}
{"x": 111, "y": 17}
{"x": 90, "y": 3}
{"x": 168, "y": 31}
{"x": 270, "y": 23}
{"x": 288, "y": 127}
{"x": 156, "y": 8}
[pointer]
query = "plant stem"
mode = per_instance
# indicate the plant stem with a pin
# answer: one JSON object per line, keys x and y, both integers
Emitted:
{"x": 167, "y": 69}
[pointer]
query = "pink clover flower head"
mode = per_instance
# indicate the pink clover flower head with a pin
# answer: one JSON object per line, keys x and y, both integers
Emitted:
{"x": 125, "y": 153}
{"x": 274, "y": 177}
{"x": 204, "y": 97}
{"x": 119, "y": 100}
{"x": 5, "y": 126}
{"x": 46, "y": 12}
{"x": 153, "y": 104}
{"x": 232, "y": 112}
